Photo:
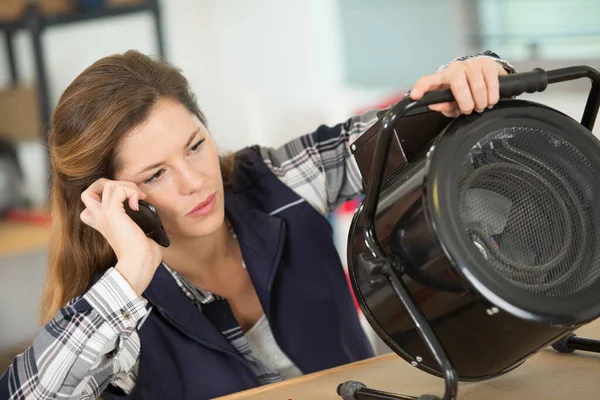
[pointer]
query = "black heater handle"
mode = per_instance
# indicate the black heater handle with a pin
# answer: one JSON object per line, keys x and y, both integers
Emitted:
{"x": 510, "y": 85}
{"x": 525, "y": 82}
{"x": 537, "y": 80}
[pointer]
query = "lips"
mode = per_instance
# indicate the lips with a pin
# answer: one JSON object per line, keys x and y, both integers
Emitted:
{"x": 204, "y": 207}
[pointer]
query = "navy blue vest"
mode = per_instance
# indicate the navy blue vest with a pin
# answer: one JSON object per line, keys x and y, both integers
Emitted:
{"x": 299, "y": 279}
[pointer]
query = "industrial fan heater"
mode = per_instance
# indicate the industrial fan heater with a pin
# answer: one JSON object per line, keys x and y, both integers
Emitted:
{"x": 478, "y": 241}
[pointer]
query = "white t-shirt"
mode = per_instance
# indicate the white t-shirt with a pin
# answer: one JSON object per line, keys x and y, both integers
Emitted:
{"x": 264, "y": 347}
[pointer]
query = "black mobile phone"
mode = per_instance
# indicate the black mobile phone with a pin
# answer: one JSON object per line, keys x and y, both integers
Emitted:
{"x": 147, "y": 218}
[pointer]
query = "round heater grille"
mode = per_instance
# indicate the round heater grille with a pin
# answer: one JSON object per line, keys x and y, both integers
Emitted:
{"x": 528, "y": 203}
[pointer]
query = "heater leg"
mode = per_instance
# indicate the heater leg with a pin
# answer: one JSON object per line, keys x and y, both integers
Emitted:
{"x": 352, "y": 390}
{"x": 572, "y": 342}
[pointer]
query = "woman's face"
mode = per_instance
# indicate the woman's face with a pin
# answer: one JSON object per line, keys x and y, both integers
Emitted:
{"x": 175, "y": 162}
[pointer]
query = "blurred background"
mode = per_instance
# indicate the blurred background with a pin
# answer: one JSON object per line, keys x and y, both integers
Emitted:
{"x": 264, "y": 71}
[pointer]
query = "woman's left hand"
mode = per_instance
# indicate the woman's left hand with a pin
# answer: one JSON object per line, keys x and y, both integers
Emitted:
{"x": 474, "y": 84}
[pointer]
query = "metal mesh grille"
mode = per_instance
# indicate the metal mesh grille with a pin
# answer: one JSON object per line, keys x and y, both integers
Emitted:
{"x": 529, "y": 202}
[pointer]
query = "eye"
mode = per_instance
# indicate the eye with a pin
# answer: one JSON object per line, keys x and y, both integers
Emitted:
{"x": 196, "y": 147}
{"x": 154, "y": 178}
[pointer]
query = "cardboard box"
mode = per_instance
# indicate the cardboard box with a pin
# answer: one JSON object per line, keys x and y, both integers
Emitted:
{"x": 121, "y": 3}
{"x": 20, "y": 117}
{"x": 51, "y": 7}
{"x": 10, "y": 9}
{"x": 14, "y": 9}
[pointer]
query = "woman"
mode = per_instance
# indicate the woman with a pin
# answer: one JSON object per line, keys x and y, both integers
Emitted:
{"x": 251, "y": 289}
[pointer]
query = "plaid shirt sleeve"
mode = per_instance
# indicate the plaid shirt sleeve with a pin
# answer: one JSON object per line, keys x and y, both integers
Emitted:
{"x": 89, "y": 344}
{"x": 319, "y": 167}
{"x": 488, "y": 53}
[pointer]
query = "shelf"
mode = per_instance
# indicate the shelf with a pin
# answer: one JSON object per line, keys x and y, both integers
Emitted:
{"x": 36, "y": 23}
{"x": 77, "y": 16}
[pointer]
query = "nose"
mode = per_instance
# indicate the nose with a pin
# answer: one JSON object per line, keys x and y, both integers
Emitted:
{"x": 190, "y": 180}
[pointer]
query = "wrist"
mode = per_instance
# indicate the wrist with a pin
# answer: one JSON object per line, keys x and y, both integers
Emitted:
{"x": 504, "y": 68}
{"x": 116, "y": 302}
{"x": 132, "y": 270}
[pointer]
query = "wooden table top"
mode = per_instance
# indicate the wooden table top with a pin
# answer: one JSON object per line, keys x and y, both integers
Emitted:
{"x": 547, "y": 375}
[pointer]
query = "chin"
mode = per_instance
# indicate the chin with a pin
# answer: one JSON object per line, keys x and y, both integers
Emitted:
{"x": 204, "y": 226}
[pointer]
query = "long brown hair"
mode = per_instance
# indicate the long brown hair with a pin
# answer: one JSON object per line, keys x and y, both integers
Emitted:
{"x": 103, "y": 104}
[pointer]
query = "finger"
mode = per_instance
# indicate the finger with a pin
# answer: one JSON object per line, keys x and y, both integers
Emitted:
{"x": 92, "y": 194}
{"x": 462, "y": 92}
{"x": 134, "y": 187}
{"x": 133, "y": 201}
{"x": 109, "y": 188}
{"x": 121, "y": 194}
{"x": 452, "y": 114}
{"x": 87, "y": 218}
{"x": 425, "y": 84}
{"x": 444, "y": 107}
{"x": 490, "y": 75}
{"x": 91, "y": 201}
{"x": 97, "y": 188}
{"x": 478, "y": 88}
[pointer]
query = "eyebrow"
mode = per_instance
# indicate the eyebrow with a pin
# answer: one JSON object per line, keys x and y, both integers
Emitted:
{"x": 156, "y": 165}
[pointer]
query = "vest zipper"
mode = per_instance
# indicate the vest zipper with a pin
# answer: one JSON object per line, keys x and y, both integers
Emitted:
{"x": 209, "y": 345}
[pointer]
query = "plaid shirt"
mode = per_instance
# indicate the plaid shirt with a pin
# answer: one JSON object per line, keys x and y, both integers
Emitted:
{"x": 93, "y": 341}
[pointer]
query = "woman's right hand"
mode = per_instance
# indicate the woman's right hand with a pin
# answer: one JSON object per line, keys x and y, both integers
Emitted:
{"x": 137, "y": 255}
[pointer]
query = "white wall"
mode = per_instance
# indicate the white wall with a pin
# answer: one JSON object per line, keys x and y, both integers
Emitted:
{"x": 257, "y": 64}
